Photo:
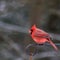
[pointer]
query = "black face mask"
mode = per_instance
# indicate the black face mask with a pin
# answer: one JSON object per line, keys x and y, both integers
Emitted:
{"x": 31, "y": 31}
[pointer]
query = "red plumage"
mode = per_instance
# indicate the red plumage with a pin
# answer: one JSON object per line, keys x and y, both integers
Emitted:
{"x": 40, "y": 36}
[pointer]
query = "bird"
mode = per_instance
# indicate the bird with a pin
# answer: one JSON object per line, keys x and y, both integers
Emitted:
{"x": 40, "y": 37}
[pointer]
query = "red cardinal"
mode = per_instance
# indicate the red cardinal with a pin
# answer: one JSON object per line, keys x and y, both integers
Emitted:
{"x": 40, "y": 36}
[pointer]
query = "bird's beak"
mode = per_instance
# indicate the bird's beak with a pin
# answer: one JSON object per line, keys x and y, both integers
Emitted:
{"x": 29, "y": 31}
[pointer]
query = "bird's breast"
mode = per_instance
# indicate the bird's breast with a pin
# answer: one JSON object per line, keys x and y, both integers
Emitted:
{"x": 40, "y": 40}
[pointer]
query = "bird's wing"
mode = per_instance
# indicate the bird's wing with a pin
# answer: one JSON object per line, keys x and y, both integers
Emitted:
{"x": 42, "y": 35}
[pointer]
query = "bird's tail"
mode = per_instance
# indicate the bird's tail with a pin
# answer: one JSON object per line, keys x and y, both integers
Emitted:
{"x": 55, "y": 47}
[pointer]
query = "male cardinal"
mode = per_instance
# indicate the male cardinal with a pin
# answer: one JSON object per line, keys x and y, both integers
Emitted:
{"x": 40, "y": 36}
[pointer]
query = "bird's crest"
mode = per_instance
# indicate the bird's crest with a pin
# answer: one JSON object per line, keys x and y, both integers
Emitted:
{"x": 33, "y": 27}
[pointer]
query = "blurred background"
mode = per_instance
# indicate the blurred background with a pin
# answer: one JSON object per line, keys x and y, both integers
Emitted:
{"x": 16, "y": 18}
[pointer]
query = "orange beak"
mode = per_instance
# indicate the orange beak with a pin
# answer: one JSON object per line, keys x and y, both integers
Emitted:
{"x": 29, "y": 31}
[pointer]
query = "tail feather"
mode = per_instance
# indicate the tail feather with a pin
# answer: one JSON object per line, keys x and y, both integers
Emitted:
{"x": 53, "y": 45}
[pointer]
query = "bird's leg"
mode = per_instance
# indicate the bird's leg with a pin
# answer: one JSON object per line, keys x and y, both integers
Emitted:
{"x": 40, "y": 44}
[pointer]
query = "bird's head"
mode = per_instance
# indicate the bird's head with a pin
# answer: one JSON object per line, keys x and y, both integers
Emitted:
{"x": 32, "y": 29}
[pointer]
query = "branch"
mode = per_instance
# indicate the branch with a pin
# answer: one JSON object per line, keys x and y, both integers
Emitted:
{"x": 8, "y": 27}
